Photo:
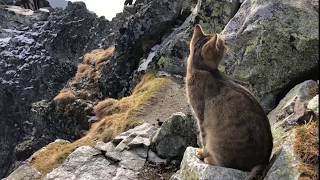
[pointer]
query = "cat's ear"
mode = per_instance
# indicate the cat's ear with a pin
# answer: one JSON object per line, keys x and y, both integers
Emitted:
{"x": 215, "y": 45}
{"x": 197, "y": 34}
{"x": 209, "y": 49}
{"x": 197, "y": 31}
{"x": 213, "y": 51}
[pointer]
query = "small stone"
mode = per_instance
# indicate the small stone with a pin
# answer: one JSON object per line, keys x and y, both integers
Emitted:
{"x": 174, "y": 136}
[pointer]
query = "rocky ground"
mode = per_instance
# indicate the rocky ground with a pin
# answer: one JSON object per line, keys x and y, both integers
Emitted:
{"x": 114, "y": 90}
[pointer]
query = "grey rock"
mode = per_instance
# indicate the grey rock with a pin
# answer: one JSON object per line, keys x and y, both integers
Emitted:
{"x": 313, "y": 105}
{"x": 25, "y": 172}
{"x": 174, "y": 136}
{"x": 136, "y": 137}
{"x": 269, "y": 47}
{"x": 153, "y": 157}
{"x": 292, "y": 109}
{"x": 192, "y": 168}
{"x": 301, "y": 93}
{"x": 107, "y": 160}
{"x": 286, "y": 164}
{"x": 125, "y": 174}
{"x": 84, "y": 163}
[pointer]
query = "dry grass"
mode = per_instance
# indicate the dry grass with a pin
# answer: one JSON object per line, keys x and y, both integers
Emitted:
{"x": 98, "y": 56}
{"x": 55, "y": 154}
{"x": 115, "y": 120}
{"x": 306, "y": 146}
{"x": 65, "y": 96}
{"x": 84, "y": 70}
{"x": 120, "y": 114}
{"x": 105, "y": 108}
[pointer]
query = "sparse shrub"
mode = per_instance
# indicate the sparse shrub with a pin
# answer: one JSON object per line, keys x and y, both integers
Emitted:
{"x": 106, "y": 135}
{"x": 306, "y": 146}
{"x": 105, "y": 107}
{"x": 116, "y": 116}
{"x": 83, "y": 71}
{"x": 98, "y": 56}
{"x": 65, "y": 96}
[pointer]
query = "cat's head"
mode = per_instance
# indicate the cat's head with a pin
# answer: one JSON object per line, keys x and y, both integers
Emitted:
{"x": 211, "y": 47}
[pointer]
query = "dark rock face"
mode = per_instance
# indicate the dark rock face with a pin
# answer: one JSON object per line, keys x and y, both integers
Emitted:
{"x": 171, "y": 55}
{"x": 8, "y": 2}
{"x": 31, "y": 4}
{"x": 38, "y": 55}
{"x": 143, "y": 30}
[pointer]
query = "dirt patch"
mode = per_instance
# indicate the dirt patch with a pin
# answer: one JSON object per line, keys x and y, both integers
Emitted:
{"x": 171, "y": 100}
{"x": 153, "y": 171}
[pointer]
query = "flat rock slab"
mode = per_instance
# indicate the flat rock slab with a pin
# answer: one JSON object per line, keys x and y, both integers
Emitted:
{"x": 193, "y": 168}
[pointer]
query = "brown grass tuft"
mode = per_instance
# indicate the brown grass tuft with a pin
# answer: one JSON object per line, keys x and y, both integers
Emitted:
{"x": 65, "y": 96}
{"x": 116, "y": 117}
{"x": 98, "y": 56}
{"x": 105, "y": 108}
{"x": 84, "y": 70}
{"x": 306, "y": 146}
{"x": 55, "y": 154}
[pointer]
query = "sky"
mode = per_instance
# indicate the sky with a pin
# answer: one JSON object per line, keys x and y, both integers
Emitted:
{"x": 107, "y": 8}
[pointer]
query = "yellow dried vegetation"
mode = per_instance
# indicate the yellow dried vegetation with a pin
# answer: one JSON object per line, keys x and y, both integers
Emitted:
{"x": 98, "y": 56}
{"x": 116, "y": 116}
{"x": 306, "y": 146}
{"x": 65, "y": 96}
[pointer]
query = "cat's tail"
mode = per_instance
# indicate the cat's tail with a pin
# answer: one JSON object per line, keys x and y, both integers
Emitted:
{"x": 257, "y": 173}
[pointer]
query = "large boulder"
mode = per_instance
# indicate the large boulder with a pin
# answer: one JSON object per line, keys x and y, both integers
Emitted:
{"x": 192, "y": 168}
{"x": 174, "y": 136}
{"x": 273, "y": 45}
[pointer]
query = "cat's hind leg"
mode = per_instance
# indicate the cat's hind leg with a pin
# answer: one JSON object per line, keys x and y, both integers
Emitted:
{"x": 210, "y": 160}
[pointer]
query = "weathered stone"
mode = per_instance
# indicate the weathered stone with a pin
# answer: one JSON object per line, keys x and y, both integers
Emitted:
{"x": 174, "y": 136}
{"x": 25, "y": 172}
{"x": 84, "y": 163}
{"x": 314, "y": 105}
{"x": 192, "y": 168}
{"x": 291, "y": 109}
{"x": 270, "y": 48}
{"x": 136, "y": 137}
{"x": 286, "y": 164}
{"x": 295, "y": 101}
{"x": 153, "y": 157}
{"x": 108, "y": 160}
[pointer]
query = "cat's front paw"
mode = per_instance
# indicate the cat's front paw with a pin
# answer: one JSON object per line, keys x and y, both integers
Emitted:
{"x": 200, "y": 153}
